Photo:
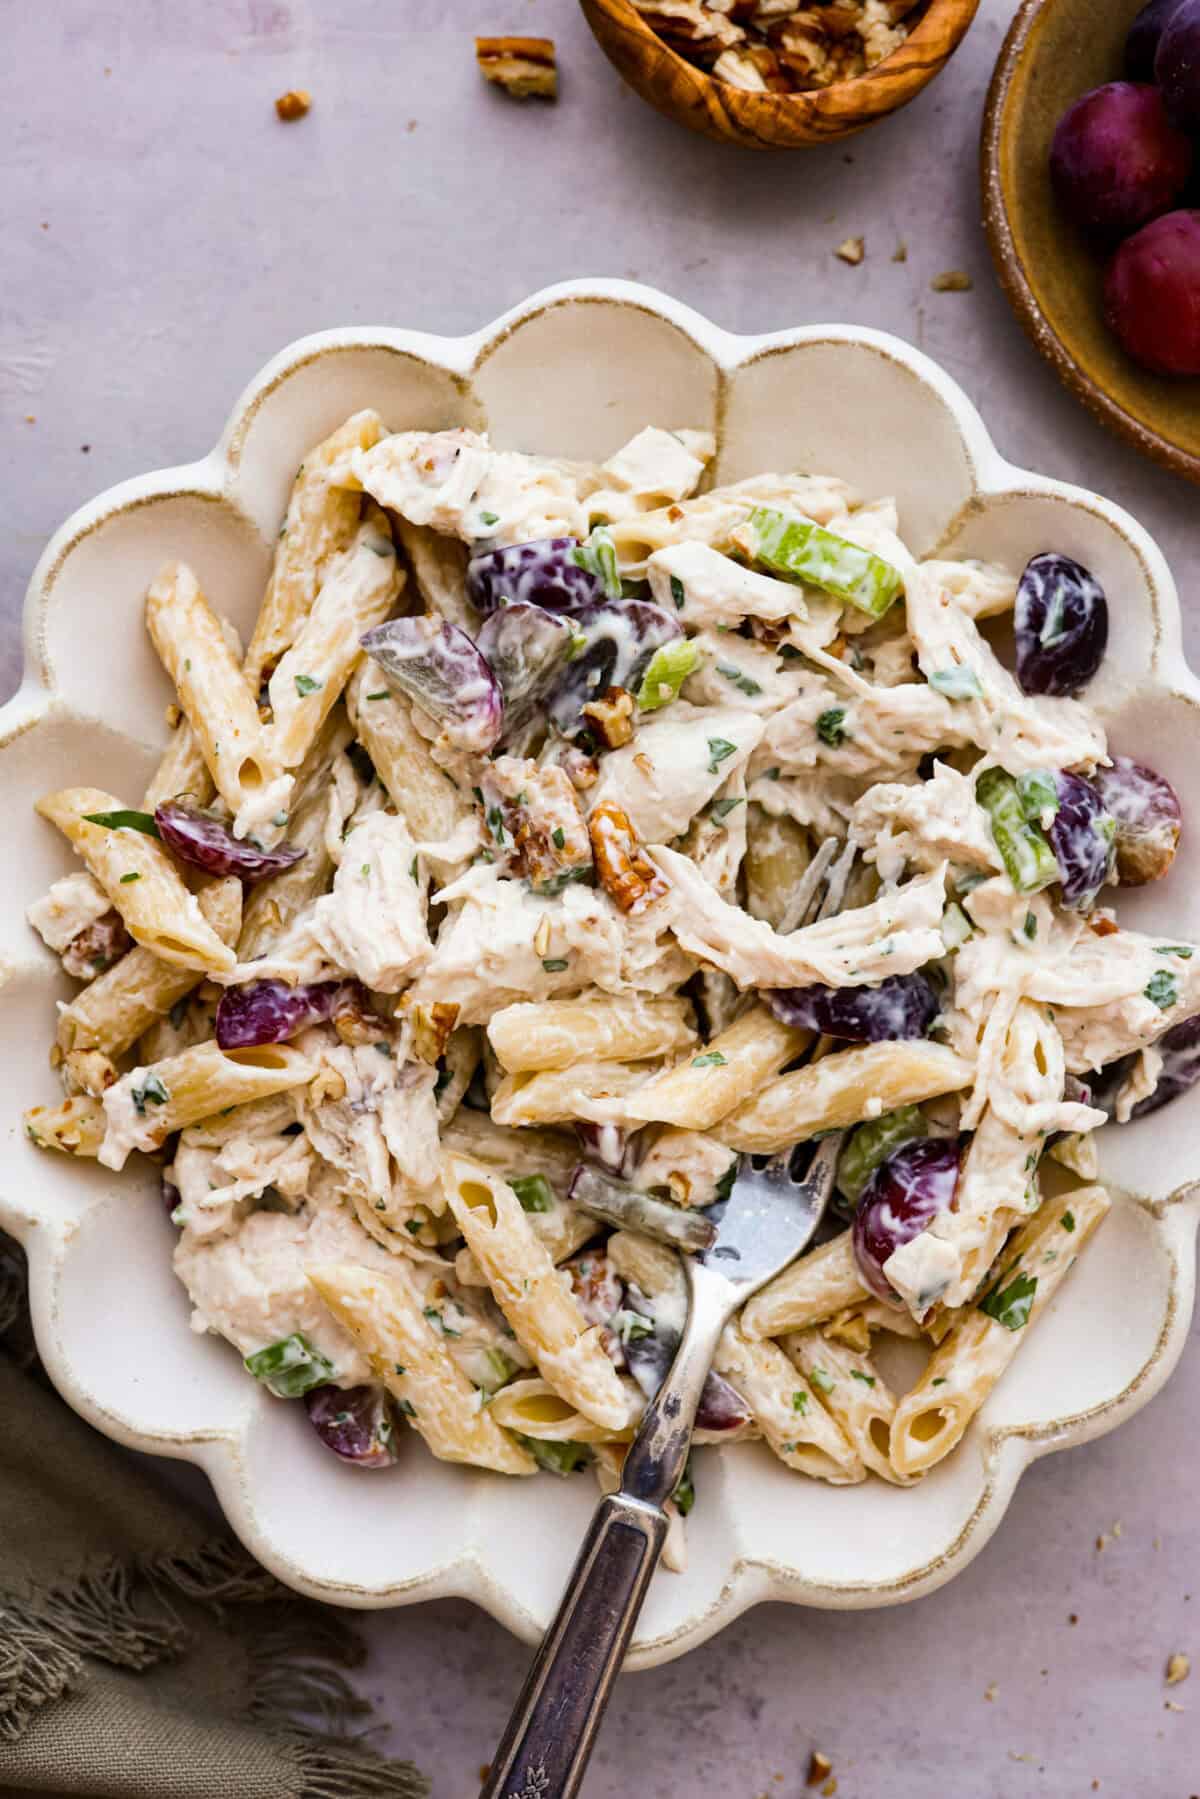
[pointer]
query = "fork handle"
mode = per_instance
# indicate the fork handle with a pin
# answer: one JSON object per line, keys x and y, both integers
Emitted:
{"x": 544, "y": 1752}
{"x": 546, "y": 1748}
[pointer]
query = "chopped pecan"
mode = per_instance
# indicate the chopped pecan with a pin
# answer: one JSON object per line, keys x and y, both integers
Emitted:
{"x": 852, "y": 250}
{"x": 1102, "y": 924}
{"x": 626, "y": 873}
{"x": 610, "y": 717}
{"x": 689, "y": 26}
{"x": 294, "y": 104}
{"x": 352, "y": 1017}
{"x": 583, "y": 771}
{"x": 524, "y": 67}
{"x": 1179, "y": 1666}
{"x": 819, "y": 1768}
{"x": 90, "y": 1071}
{"x": 431, "y": 1028}
{"x": 97, "y": 947}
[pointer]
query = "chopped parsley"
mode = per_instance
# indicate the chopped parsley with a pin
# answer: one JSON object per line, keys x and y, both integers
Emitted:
{"x": 799, "y": 1400}
{"x": 1068, "y": 1221}
{"x": 384, "y": 1048}
{"x": 1011, "y": 1305}
{"x": 407, "y": 1407}
{"x": 152, "y": 1092}
{"x": 124, "y": 820}
{"x": 1163, "y": 990}
{"x": 723, "y": 808}
{"x": 383, "y": 694}
{"x": 773, "y": 774}
{"x": 305, "y": 684}
{"x": 940, "y": 1381}
{"x": 133, "y": 875}
{"x": 534, "y": 1192}
{"x": 1173, "y": 949}
{"x": 685, "y": 1493}
{"x": 743, "y": 682}
{"x": 957, "y": 683}
{"x": 1030, "y": 926}
{"x": 436, "y": 1317}
{"x": 556, "y": 1458}
{"x": 558, "y": 837}
{"x": 824, "y": 1383}
{"x": 489, "y": 518}
{"x": 677, "y": 593}
{"x": 724, "y": 1186}
{"x": 555, "y": 964}
{"x": 831, "y": 726}
{"x": 868, "y": 1380}
{"x": 719, "y": 750}
{"x": 399, "y": 1367}
{"x": 365, "y": 870}
{"x": 713, "y": 1059}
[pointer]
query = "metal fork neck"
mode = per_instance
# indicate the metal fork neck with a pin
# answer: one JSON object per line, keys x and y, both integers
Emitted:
{"x": 657, "y": 1457}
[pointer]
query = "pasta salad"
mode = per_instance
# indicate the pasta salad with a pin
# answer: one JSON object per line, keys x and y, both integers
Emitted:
{"x": 475, "y": 879}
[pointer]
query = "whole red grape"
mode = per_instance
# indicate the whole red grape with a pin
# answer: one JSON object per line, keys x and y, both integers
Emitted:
{"x": 1141, "y": 46}
{"x": 1177, "y": 65}
{"x": 1117, "y": 161}
{"x": 1152, "y": 295}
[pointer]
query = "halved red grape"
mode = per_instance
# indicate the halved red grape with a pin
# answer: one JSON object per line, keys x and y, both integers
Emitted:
{"x": 1061, "y": 625}
{"x": 271, "y": 1011}
{"x": 355, "y": 1422}
{"x": 1148, "y": 816}
{"x": 904, "y": 1195}
{"x": 1081, "y": 835}
{"x": 1152, "y": 295}
{"x": 205, "y": 842}
{"x": 525, "y": 647}
{"x": 541, "y": 573}
{"x": 619, "y": 639}
{"x": 1180, "y": 1047}
{"x": 1117, "y": 160}
{"x": 1177, "y": 65}
{"x": 436, "y": 664}
{"x": 1141, "y": 46}
{"x": 899, "y": 1008}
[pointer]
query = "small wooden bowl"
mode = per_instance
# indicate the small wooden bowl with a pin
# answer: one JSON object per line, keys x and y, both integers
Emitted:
{"x": 1055, "y": 51}
{"x": 776, "y": 121}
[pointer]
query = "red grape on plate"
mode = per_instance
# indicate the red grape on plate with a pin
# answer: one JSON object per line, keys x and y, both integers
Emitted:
{"x": 1177, "y": 65}
{"x": 1117, "y": 160}
{"x": 1152, "y": 295}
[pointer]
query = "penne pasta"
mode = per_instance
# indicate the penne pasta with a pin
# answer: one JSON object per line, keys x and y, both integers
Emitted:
{"x": 140, "y": 879}
{"x": 559, "y": 1095}
{"x": 322, "y": 517}
{"x": 843, "y": 1089}
{"x": 533, "y": 1409}
{"x": 823, "y": 1282}
{"x": 111, "y": 1013}
{"x": 559, "y": 1033}
{"x": 932, "y": 1418}
{"x": 798, "y": 1430}
{"x": 854, "y": 1393}
{"x": 439, "y": 572}
{"x": 416, "y": 786}
{"x": 360, "y": 589}
{"x": 698, "y": 1093}
{"x": 147, "y": 1104}
{"x": 216, "y": 699}
{"x": 540, "y": 1308}
{"x": 182, "y": 770}
{"x": 384, "y": 1316}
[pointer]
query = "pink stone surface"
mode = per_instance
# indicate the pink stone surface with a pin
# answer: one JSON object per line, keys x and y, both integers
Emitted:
{"x": 164, "y": 235}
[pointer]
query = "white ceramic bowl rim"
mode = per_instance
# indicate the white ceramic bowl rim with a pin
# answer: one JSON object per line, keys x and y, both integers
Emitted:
{"x": 47, "y": 1231}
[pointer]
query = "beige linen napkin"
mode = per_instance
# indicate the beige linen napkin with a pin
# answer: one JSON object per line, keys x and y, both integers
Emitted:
{"x": 143, "y": 1653}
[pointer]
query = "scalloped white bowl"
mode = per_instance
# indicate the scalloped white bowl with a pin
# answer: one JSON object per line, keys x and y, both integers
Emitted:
{"x": 574, "y": 372}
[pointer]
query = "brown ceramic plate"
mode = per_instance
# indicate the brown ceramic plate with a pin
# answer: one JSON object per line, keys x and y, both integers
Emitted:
{"x": 1055, "y": 51}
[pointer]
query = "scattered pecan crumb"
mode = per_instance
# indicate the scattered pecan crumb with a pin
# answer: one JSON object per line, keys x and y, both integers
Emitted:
{"x": 952, "y": 281}
{"x": 1102, "y": 926}
{"x": 852, "y": 250}
{"x": 541, "y": 937}
{"x": 31, "y": 418}
{"x": 1179, "y": 1666}
{"x": 610, "y": 716}
{"x": 1117, "y": 1528}
{"x": 900, "y": 253}
{"x": 411, "y": 126}
{"x": 991, "y": 1691}
{"x": 1072, "y": 1617}
{"x": 431, "y": 1028}
{"x": 830, "y": 1787}
{"x": 85, "y": 448}
{"x": 294, "y": 104}
{"x": 1169, "y": 1705}
{"x": 1101, "y": 1543}
{"x": 524, "y": 67}
{"x": 819, "y": 1768}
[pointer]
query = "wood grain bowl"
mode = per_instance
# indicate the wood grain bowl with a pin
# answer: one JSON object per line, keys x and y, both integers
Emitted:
{"x": 1056, "y": 50}
{"x": 675, "y": 87}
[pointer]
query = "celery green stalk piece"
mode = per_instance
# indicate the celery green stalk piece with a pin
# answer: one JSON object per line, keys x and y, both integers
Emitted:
{"x": 872, "y": 1143}
{"x": 1028, "y": 859}
{"x": 670, "y": 666}
{"x": 796, "y": 549}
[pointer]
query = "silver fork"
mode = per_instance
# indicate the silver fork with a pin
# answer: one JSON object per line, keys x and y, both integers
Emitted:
{"x": 767, "y": 1220}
